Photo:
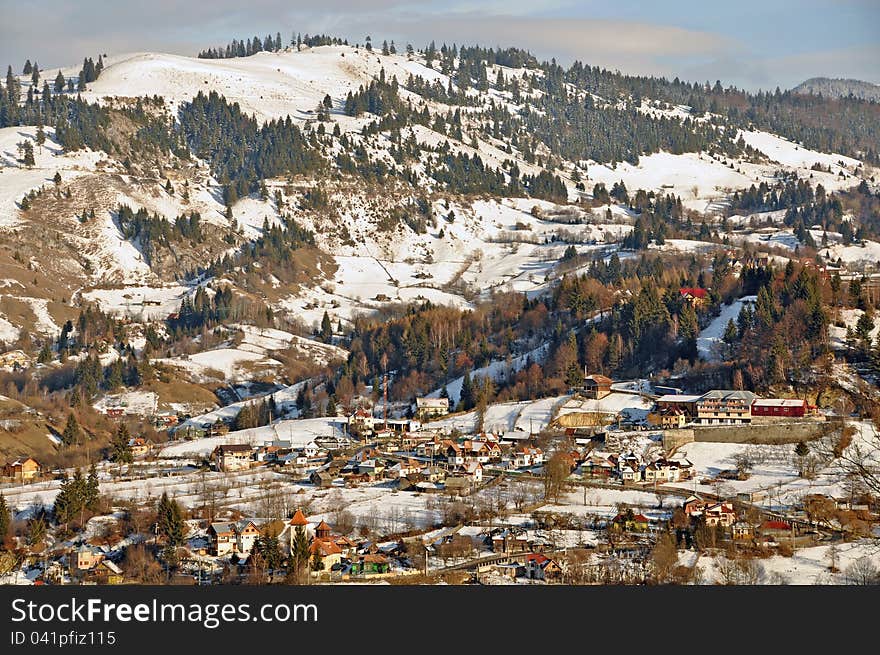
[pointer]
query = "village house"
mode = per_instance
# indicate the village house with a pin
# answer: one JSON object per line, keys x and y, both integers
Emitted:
{"x": 629, "y": 522}
{"x": 218, "y": 428}
{"x": 371, "y": 468}
{"x": 775, "y": 530}
{"x": 596, "y": 466}
{"x": 322, "y": 478}
{"x": 107, "y": 572}
{"x": 166, "y": 420}
{"x": 742, "y": 531}
{"x": 22, "y": 469}
{"x": 232, "y": 457}
{"x": 713, "y": 513}
{"x": 428, "y": 408}
{"x": 665, "y": 470}
{"x": 696, "y": 296}
{"x": 222, "y": 537}
{"x": 667, "y": 418}
{"x": 454, "y": 454}
{"x": 371, "y": 564}
{"x": 233, "y": 537}
{"x": 721, "y": 406}
{"x": 540, "y": 567}
{"x": 362, "y": 420}
{"x": 629, "y": 467}
{"x": 14, "y": 360}
{"x": 721, "y": 514}
{"x": 527, "y": 457}
{"x": 687, "y": 404}
{"x": 433, "y": 474}
{"x": 85, "y": 558}
{"x": 432, "y": 447}
{"x": 781, "y": 407}
{"x": 509, "y": 540}
{"x": 139, "y": 446}
{"x": 458, "y": 485}
{"x": 473, "y": 471}
{"x": 597, "y": 386}
{"x": 405, "y": 468}
{"x": 514, "y": 437}
{"x": 246, "y": 534}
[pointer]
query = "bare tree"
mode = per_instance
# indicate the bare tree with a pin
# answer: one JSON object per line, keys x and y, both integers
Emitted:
{"x": 862, "y": 572}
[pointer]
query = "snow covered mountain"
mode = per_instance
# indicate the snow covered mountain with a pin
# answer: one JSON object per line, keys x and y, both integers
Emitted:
{"x": 839, "y": 88}
{"x": 377, "y": 238}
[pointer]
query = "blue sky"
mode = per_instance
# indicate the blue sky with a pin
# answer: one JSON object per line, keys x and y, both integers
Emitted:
{"x": 750, "y": 43}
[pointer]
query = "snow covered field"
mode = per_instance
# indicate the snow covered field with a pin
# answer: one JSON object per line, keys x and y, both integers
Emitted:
{"x": 808, "y": 566}
{"x": 252, "y": 354}
{"x": 16, "y": 181}
{"x": 299, "y": 432}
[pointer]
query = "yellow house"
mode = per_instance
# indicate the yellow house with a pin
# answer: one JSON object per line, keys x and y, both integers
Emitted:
{"x": 24, "y": 468}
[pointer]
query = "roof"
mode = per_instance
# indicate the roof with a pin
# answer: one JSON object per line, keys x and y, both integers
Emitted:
{"x": 696, "y": 292}
{"x": 375, "y": 558}
{"x": 439, "y": 403}
{"x": 235, "y": 448}
{"x": 323, "y": 526}
{"x": 728, "y": 394}
{"x": 537, "y": 558}
{"x": 678, "y": 398}
{"x": 779, "y": 402}
{"x": 775, "y": 525}
{"x": 299, "y": 518}
{"x": 21, "y": 460}
{"x": 110, "y": 565}
{"x": 325, "y": 546}
{"x": 598, "y": 379}
{"x": 220, "y": 528}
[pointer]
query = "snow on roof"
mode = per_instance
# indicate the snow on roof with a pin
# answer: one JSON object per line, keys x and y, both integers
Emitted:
{"x": 779, "y": 402}
{"x": 678, "y": 398}
{"x": 728, "y": 394}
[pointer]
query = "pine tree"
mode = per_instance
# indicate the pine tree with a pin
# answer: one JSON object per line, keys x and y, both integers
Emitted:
{"x": 59, "y": 82}
{"x": 170, "y": 521}
{"x": 299, "y": 552}
{"x": 92, "y": 489}
{"x": 72, "y": 434}
{"x": 5, "y": 520}
{"x": 41, "y": 134}
{"x": 45, "y": 355}
{"x": 467, "y": 392}
{"x": 27, "y": 149}
{"x": 120, "y": 446}
{"x": 326, "y": 329}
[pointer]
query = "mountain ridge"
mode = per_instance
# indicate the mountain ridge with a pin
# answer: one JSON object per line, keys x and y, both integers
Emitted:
{"x": 839, "y": 87}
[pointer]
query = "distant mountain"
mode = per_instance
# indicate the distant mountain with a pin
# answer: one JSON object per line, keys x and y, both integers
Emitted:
{"x": 839, "y": 88}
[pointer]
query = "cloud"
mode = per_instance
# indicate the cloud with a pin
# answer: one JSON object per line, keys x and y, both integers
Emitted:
{"x": 861, "y": 63}
{"x": 62, "y": 33}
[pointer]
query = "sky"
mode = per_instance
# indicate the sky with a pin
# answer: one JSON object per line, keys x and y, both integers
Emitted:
{"x": 748, "y": 43}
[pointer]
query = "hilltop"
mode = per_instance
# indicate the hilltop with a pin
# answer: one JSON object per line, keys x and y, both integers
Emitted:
{"x": 839, "y": 88}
